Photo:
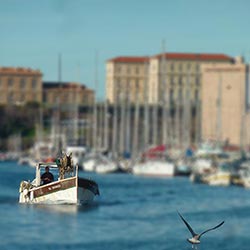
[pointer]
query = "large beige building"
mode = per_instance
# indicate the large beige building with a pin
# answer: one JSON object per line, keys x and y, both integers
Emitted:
{"x": 67, "y": 93}
{"x": 225, "y": 102}
{"x": 126, "y": 78}
{"x": 157, "y": 78}
{"x": 20, "y": 85}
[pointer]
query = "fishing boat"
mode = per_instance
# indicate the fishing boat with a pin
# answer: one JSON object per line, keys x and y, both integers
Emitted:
{"x": 69, "y": 188}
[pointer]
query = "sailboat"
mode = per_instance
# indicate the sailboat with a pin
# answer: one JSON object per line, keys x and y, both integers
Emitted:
{"x": 161, "y": 166}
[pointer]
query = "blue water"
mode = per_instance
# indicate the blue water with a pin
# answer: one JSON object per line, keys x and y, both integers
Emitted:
{"x": 131, "y": 213}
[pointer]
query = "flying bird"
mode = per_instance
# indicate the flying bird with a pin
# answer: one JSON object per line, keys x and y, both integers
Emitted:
{"x": 196, "y": 237}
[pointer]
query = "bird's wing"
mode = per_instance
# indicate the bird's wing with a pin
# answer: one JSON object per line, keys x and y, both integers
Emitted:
{"x": 211, "y": 228}
{"x": 188, "y": 226}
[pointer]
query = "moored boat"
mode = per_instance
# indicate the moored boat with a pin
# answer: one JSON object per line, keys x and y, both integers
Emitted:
{"x": 69, "y": 188}
{"x": 156, "y": 168}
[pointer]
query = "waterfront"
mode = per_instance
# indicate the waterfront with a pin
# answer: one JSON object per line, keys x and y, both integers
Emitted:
{"x": 131, "y": 213}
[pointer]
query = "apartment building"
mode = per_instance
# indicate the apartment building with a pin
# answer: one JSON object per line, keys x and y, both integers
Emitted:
{"x": 19, "y": 86}
{"x": 225, "y": 103}
{"x": 166, "y": 76}
{"x": 67, "y": 93}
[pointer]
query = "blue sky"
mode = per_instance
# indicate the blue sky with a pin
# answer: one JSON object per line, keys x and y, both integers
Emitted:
{"x": 33, "y": 33}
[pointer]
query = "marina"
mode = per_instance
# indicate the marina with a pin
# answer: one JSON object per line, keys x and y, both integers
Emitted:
{"x": 124, "y": 125}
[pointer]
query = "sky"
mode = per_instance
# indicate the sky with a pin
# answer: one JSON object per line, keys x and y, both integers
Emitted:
{"x": 86, "y": 33}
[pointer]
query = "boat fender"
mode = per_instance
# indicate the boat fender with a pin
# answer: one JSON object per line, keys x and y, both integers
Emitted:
{"x": 25, "y": 192}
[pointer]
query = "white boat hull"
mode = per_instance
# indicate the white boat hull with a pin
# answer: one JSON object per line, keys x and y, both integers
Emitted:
{"x": 89, "y": 165}
{"x": 154, "y": 168}
{"x": 73, "y": 190}
{"x": 218, "y": 179}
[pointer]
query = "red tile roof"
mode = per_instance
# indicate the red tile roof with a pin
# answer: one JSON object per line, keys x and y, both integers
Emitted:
{"x": 197, "y": 56}
{"x": 19, "y": 71}
{"x": 130, "y": 59}
{"x": 177, "y": 56}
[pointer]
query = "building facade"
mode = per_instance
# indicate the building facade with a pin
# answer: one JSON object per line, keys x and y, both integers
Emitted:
{"x": 225, "y": 103}
{"x": 162, "y": 77}
{"x": 19, "y": 86}
{"x": 125, "y": 78}
{"x": 67, "y": 93}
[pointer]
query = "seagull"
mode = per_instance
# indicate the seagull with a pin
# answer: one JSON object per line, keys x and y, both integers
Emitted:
{"x": 196, "y": 237}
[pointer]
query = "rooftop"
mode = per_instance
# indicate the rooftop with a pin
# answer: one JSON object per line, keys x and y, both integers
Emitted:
{"x": 19, "y": 71}
{"x": 174, "y": 56}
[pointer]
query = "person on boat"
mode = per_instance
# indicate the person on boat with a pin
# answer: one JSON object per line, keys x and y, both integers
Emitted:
{"x": 47, "y": 177}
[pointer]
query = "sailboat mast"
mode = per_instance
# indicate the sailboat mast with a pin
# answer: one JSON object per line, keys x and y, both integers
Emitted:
{"x": 219, "y": 113}
{"x": 106, "y": 119}
{"x": 164, "y": 92}
{"x": 95, "y": 106}
{"x": 128, "y": 121}
{"x": 136, "y": 124}
{"x": 146, "y": 107}
{"x": 187, "y": 114}
{"x": 122, "y": 121}
{"x": 114, "y": 125}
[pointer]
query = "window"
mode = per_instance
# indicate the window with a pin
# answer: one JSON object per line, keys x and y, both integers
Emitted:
{"x": 196, "y": 95}
{"x": 34, "y": 83}
{"x": 180, "y": 67}
{"x": 180, "y": 95}
{"x": 22, "y": 83}
{"x": 197, "y": 67}
{"x": 10, "y": 82}
{"x": 180, "y": 81}
{"x": 10, "y": 97}
{"x": 172, "y": 67}
{"x": 137, "y": 85}
{"x": 22, "y": 98}
{"x": 172, "y": 81}
{"x": 118, "y": 69}
{"x": 137, "y": 70}
{"x": 171, "y": 95}
{"x": 197, "y": 81}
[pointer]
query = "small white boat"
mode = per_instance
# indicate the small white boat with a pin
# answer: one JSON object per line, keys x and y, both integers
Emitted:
{"x": 68, "y": 189}
{"x": 244, "y": 175}
{"x": 156, "y": 168}
{"x": 219, "y": 177}
{"x": 105, "y": 165}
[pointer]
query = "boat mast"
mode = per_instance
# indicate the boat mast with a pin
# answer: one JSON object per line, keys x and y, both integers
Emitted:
{"x": 219, "y": 113}
{"x": 56, "y": 119}
{"x": 146, "y": 106}
{"x": 122, "y": 120}
{"x": 114, "y": 125}
{"x": 164, "y": 92}
{"x": 186, "y": 115}
{"x": 136, "y": 124}
{"x": 155, "y": 112}
{"x": 106, "y": 123}
{"x": 95, "y": 106}
{"x": 128, "y": 121}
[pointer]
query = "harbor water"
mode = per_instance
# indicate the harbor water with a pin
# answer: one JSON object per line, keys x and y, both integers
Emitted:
{"x": 131, "y": 213}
